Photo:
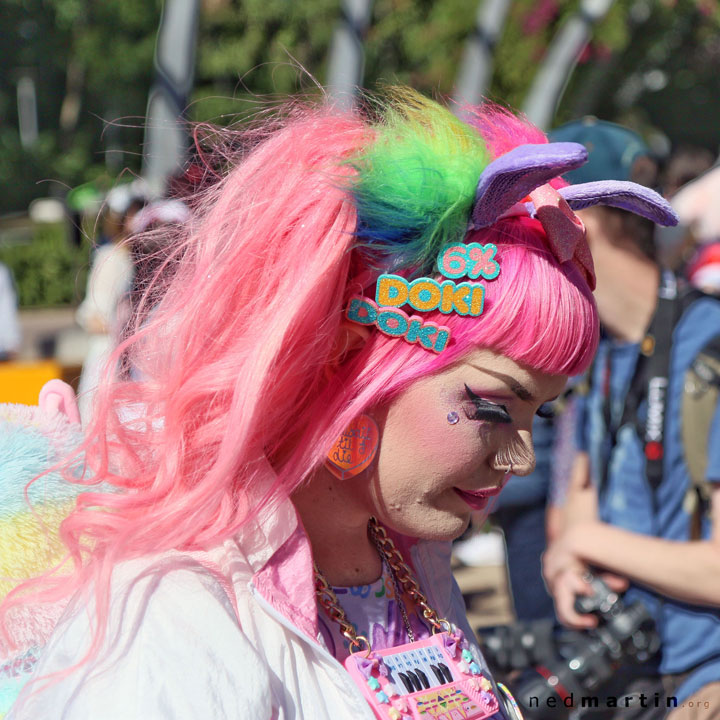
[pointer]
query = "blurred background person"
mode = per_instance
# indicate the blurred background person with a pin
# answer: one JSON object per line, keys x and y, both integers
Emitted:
{"x": 698, "y": 251}
{"x": 689, "y": 183}
{"x": 703, "y": 271}
{"x": 9, "y": 323}
{"x": 109, "y": 280}
{"x": 685, "y": 163}
{"x": 634, "y": 511}
{"x": 150, "y": 230}
{"x": 148, "y": 240}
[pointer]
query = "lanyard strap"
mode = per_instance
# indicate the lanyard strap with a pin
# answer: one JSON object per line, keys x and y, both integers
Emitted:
{"x": 649, "y": 382}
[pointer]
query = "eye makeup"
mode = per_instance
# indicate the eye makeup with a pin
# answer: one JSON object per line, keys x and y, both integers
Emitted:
{"x": 546, "y": 411}
{"x": 479, "y": 408}
{"x": 482, "y": 409}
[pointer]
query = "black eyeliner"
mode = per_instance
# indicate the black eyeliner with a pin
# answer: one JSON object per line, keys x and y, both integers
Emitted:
{"x": 486, "y": 410}
{"x": 546, "y": 411}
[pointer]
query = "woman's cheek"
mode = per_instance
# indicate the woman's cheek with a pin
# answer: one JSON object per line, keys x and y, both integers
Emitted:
{"x": 421, "y": 454}
{"x": 412, "y": 438}
{"x": 422, "y": 457}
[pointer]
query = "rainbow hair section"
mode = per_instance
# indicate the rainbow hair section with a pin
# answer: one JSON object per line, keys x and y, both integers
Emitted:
{"x": 415, "y": 184}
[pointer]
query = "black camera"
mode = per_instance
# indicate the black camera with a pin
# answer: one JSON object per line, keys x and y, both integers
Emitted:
{"x": 558, "y": 666}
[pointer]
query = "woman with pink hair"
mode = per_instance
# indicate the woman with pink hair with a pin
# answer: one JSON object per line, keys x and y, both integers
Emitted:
{"x": 349, "y": 340}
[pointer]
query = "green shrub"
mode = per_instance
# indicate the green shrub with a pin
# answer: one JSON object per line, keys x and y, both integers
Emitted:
{"x": 48, "y": 270}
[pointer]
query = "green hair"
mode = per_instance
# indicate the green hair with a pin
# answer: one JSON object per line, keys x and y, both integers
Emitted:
{"x": 415, "y": 184}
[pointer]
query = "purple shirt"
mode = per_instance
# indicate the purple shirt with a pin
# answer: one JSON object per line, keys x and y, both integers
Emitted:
{"x": 373, "y": 610}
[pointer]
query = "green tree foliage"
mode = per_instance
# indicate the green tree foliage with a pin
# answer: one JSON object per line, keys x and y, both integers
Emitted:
{"x": 92, "y": 64}
{"x": 650, "y": 64}
{"x": 250, "y": 50}
{"x": 48, "y": 270}
{"x": 653, "y": 65}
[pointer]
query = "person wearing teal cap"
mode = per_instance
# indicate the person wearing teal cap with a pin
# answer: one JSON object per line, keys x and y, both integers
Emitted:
{"x": 614, "y": 152}
{"x": 629, "y": 512}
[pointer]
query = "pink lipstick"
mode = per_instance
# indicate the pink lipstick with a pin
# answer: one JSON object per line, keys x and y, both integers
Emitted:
{"x": 478, "y": 499}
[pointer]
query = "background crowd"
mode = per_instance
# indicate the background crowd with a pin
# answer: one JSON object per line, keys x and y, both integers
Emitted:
{"x": 639, "y": 89}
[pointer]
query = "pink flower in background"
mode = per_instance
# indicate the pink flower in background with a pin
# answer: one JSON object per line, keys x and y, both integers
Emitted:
{"x": 541, "y": 15}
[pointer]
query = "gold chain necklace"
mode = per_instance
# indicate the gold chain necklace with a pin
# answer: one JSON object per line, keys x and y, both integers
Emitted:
{"x": 398, "y": 592}
{"x": 402, "y": 575}
{"x": 366, "y": 668}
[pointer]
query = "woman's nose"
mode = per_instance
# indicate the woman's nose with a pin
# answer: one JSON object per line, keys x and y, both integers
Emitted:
{"x": 525, "y": 467}
{"x": 518, "y": 456}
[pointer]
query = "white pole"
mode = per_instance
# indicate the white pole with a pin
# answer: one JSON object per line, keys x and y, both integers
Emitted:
{"x": 346, "y": 66}
{"x": 477, "y": 64}
{"x": 165, "y": 136}
{"x": 567, "y": 45}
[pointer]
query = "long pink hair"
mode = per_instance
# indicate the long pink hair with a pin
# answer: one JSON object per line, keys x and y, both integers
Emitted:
{"x": 237, "y": 360}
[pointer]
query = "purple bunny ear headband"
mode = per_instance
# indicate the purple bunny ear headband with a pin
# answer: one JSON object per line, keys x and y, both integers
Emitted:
{"x": 526, "y": 171}
{"x": 515, "y": 184}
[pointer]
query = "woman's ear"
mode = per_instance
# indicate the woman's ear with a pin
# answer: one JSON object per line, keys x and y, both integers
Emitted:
{"x": 349, "y": 338}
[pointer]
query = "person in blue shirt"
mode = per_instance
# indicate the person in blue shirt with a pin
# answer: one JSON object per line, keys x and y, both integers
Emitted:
{"x": 615, "y": 521}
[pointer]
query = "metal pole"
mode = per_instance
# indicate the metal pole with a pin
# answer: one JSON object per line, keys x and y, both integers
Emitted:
{"x": 347, "y": 56}
{"x": 477, "y": 63}
{"x": 165, "y": 136}
{"x": 562, "y": 56}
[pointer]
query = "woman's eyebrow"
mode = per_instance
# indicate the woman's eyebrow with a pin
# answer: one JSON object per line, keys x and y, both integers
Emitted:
{"x": 521, "y": 391}
{"x": 514, "y": 385}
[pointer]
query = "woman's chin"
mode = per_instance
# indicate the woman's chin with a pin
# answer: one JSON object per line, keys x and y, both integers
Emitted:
{"x": 438, "y": 526}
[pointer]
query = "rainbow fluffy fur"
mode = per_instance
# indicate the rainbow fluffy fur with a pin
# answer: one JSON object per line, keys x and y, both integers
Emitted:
{"x": 31, "y": 442}
{"x": 416, "y": 182}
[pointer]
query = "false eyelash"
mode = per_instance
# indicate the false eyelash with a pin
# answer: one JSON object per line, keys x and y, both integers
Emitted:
{"x": 486, "y": 410}
{"x": 546, "y": 411}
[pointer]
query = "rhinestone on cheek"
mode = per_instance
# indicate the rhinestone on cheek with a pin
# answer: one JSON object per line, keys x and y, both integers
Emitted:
{"x": 453, "y": 417}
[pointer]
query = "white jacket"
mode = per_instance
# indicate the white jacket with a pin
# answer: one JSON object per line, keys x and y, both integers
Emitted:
{"x": 227, "y": 634}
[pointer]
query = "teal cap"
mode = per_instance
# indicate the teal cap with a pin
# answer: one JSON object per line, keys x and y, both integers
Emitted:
{"x": 612, "y": 149}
